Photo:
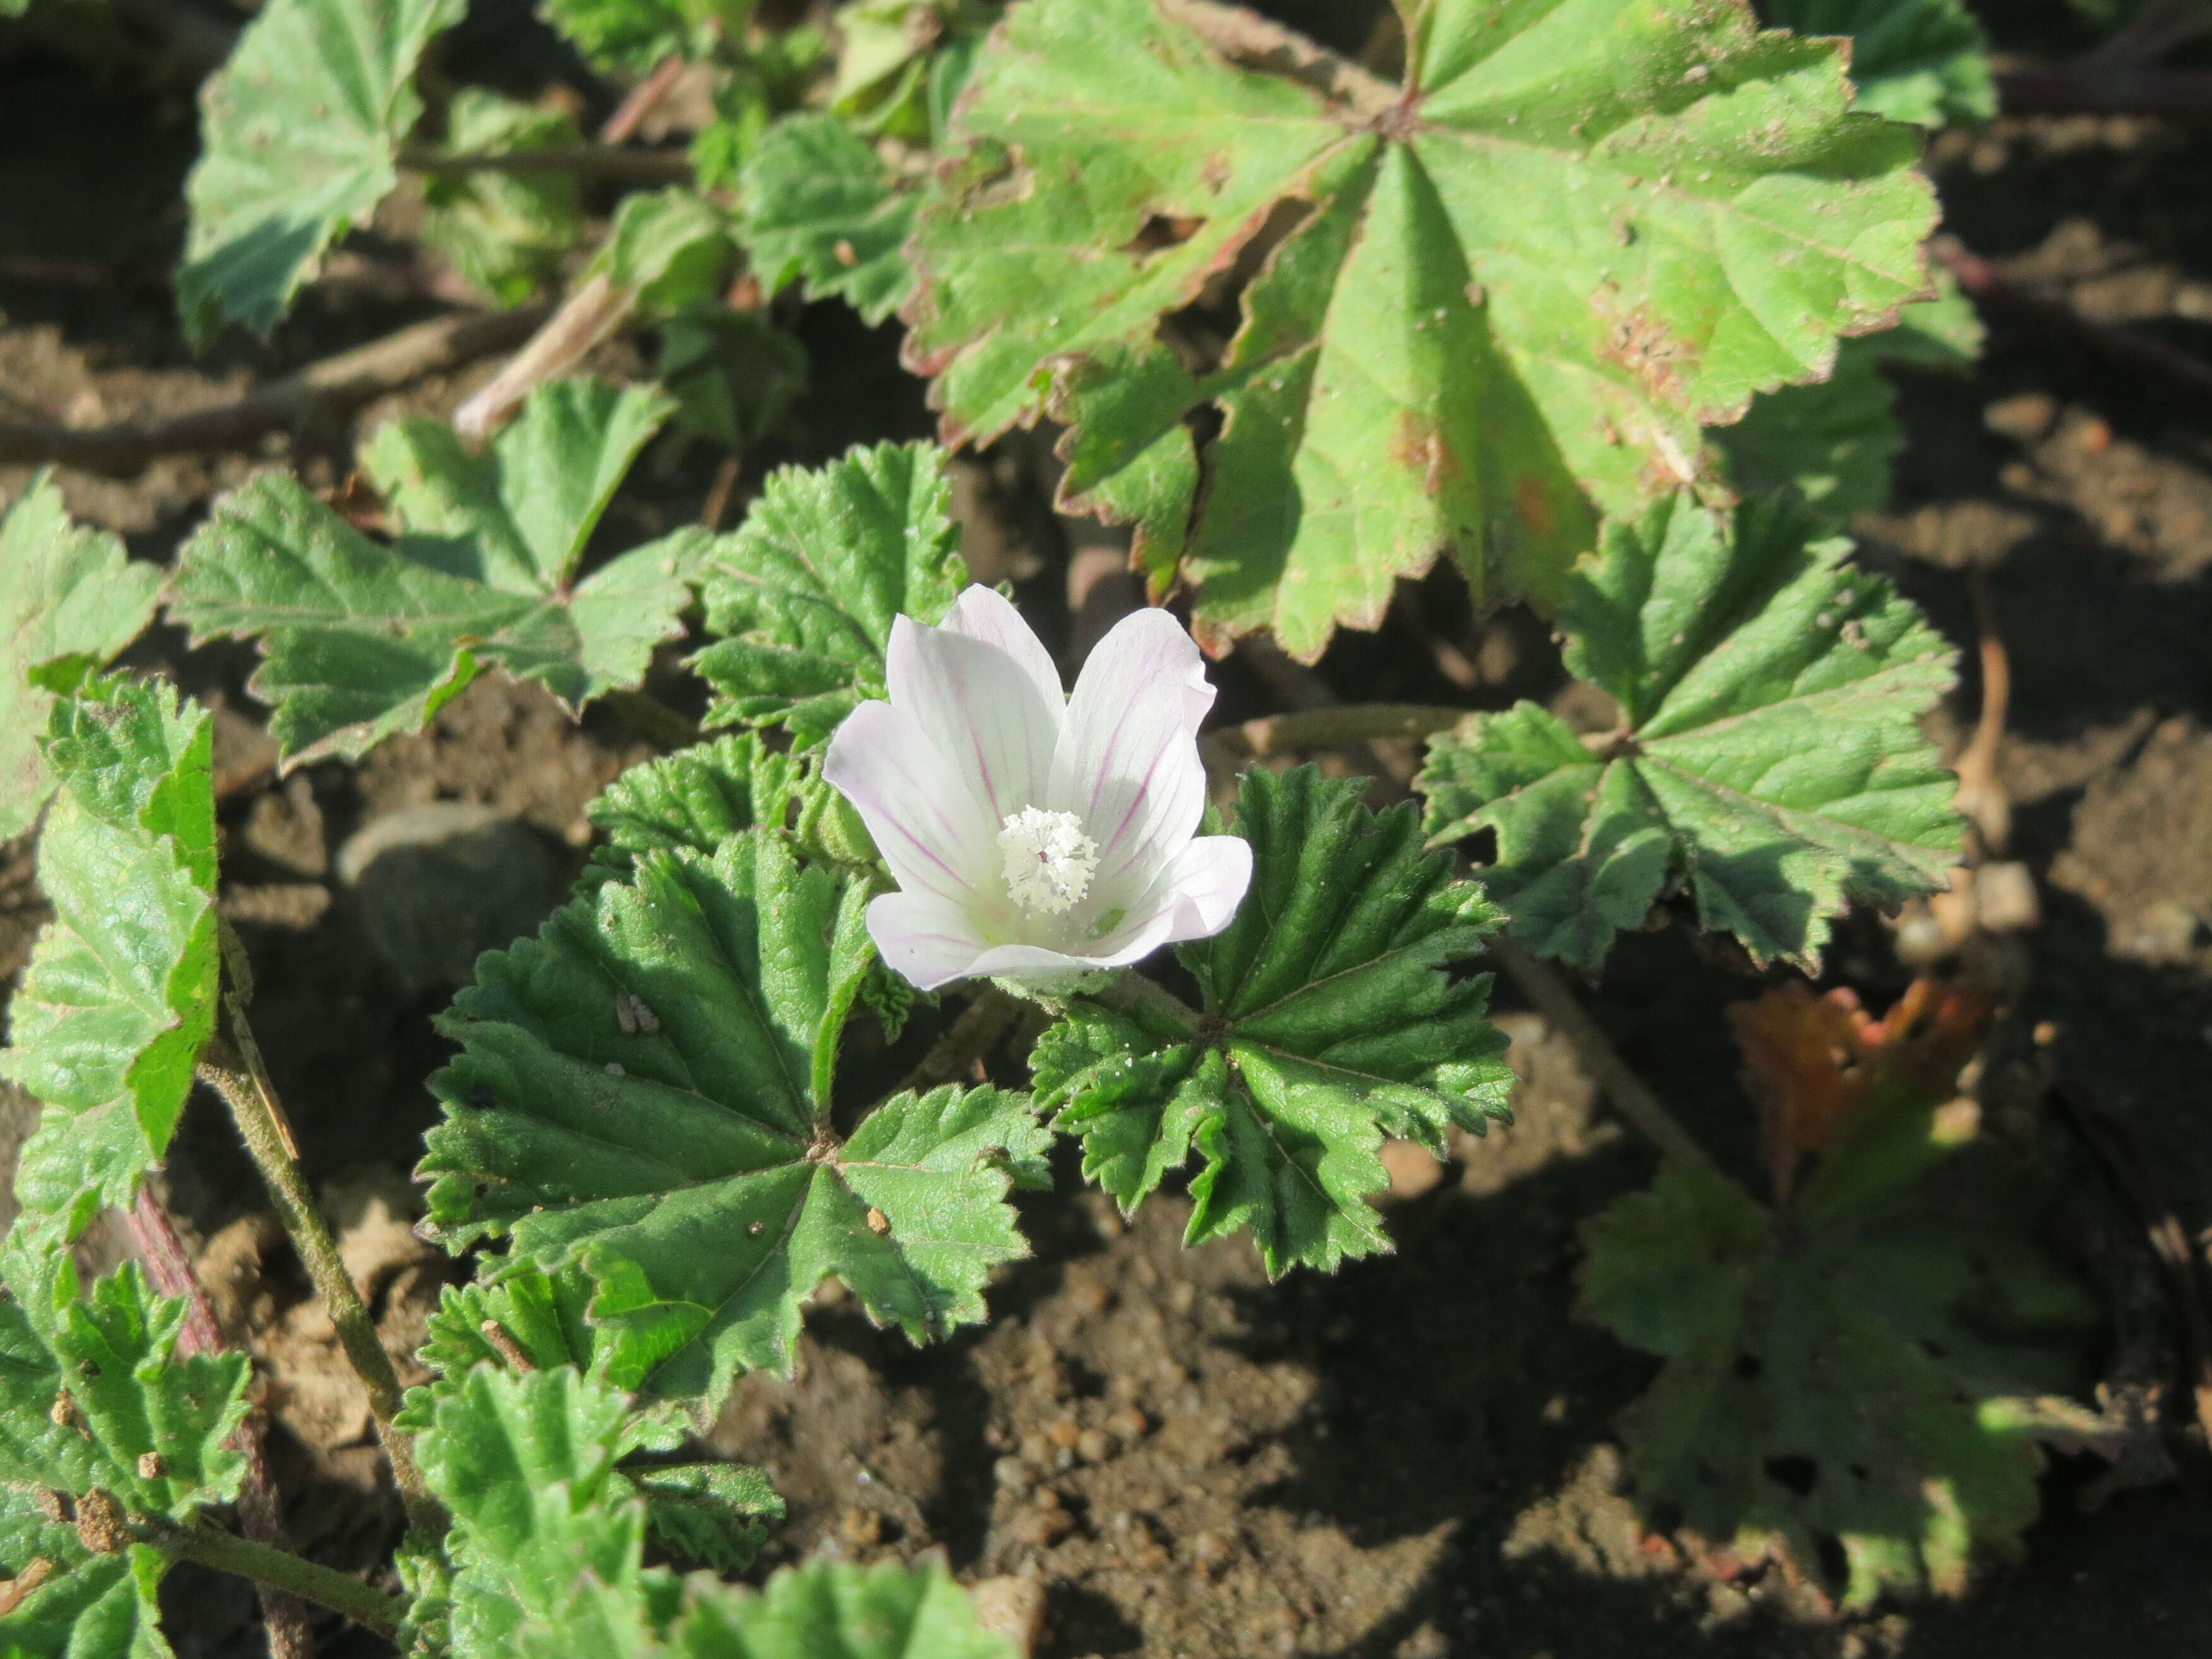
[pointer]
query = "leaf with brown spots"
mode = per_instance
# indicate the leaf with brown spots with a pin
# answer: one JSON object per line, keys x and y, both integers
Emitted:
{"x": 1464, "y": 315}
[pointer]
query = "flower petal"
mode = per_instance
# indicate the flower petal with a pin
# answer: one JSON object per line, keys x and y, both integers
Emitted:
{"x": 1126, "y": 762}
{"x": 927, "y": 938}
{"x": 1206, "y": 882}
{"x": 930, "y": 828}
{"x": 984, "y": 613}
{"x": 983, "y": 710}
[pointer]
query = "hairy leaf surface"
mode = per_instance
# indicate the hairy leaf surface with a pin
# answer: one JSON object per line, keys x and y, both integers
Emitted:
{"x": 362, "y": 639}
{"x": 805, "y": 593}
{"x": 1768, "y": 756}
{"x": 1923, "y": 61}
{"x": 298, "y": 136}
{"x": 1477, "y": 306}
{"x": 644, "y": 1088}
{"x": 817, "y": 205}
{"x": 120, "y": 992}
{"x": 1330, "y": 1020}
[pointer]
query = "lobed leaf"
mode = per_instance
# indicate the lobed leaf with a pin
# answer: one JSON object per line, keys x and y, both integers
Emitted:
{"x": 804, "y": 594}
{"x": 701, "y": 797}
{"x": 70, "y": 599}
{"x": 299, "y": 133}
{"x": 120, "y": 995}
{"x": 644, "y": 1090}
{"x": 1923, "y": 61}
{"x": 548, "y": 1541}
{"x": 1477, "y": 307}
{"x": 1333, "y": 1016}
{"x": 817, "y": 205}
{"x": 360, "y": 640}
{"x": 1858, "y": 1387}
{"x": 1768, "y": 758}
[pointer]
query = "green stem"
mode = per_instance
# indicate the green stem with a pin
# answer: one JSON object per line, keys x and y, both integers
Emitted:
{"x": 1326, "y": 728}
{"x": 280, "y": 1570}
{"x": 262, "y": 1125}
{"x": 1133, "y": 993}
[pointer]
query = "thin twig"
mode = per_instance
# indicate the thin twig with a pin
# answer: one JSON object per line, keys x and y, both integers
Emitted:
{"x": 595, "y": 309}
{"x": 982, "y": 1025}
{"x": 2120, "y": 348}
{"x": 335, "y": 385}
{"x": 1330, "y": 727}
{"x": 715, "y": 513}
{"x": 609, "y": 163}
{"x": 1981, "y": 794}
{"x": 1631, "y": 1096}
{"x": 643, "y": 98}
{"x": 262, "y": 1124}
{"x": 259, "y": 1510}
{"x": 310, "y": 1580}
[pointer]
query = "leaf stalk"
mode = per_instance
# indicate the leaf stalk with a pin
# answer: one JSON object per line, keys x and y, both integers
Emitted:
{"x": 294, "y": 1575}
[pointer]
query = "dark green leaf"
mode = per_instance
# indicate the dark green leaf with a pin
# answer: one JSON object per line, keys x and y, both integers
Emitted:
{"x": 805, "y": 593}
{"x": 505, "y": 233}
{"x": 1769, "y": 755}
{"x": 1332, "y": 1016}
{"x": 1923, "y": 61}
{"x": 644, "y": 1088}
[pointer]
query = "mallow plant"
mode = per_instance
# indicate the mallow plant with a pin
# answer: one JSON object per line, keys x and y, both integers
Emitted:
{"x": 1591, "y": 300}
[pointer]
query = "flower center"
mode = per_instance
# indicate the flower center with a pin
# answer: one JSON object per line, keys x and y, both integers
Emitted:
{"x": 1049, "y": 861}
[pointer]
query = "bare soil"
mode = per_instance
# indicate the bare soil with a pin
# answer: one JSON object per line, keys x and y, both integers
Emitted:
{"x": 1410, "y": 1459}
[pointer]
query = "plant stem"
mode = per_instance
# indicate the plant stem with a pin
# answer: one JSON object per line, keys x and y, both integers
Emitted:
{"x": 1631, "y": 1096}
{"x": 321, "y": 391}
{"x": 294, "y": 1575}
{"x": 983, "y": 1023}
{"x": 607, "y": 162}
{"x": 268, "y": 1136}
{"x": 643, "y": 98}
{"x": 1326, "y": 728}
{"x": 1133, "y": 993}
{"x": 594, "y": 309}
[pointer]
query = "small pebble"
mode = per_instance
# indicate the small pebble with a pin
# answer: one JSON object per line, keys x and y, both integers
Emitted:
{"x": 1211, "y": 1550}
{"x": 862, "y": 1529}
{"x": 1094, "y": 1446}
{"x": 1011, "y": 1473}
{"x": 1129, "y": 1423}
{"x": 1064, "y": 1434}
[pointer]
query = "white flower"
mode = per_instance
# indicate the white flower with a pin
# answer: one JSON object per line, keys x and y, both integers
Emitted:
{"x": 1036, "y": 836}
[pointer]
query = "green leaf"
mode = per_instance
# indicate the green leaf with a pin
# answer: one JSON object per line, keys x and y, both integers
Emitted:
{"x": 1856, "y": 1384}
{"x": 1331, "y": 1019}
{"x": 636, "y": 35}
{"x": 701, "y": 797}
{"x": 362, "y": 639}
{"x": 83, "y": 1606}
{"x": 714, "y": 1513}
{"x": 67, "y": 595}
{"x": 674, "y": 247}
{"x": 818, "y": 204}
{"x": 805, "y": 593}
{"x": 139, "y": 1422}
{"x": 1832, "y": 443}
{"x": 736, "y": 375}
{"x": 1768, "y": 758}
{"x": 120, "y": 996}
{"x": 547, "y": 1539}
{"x": 298, "y": 135}
{"x": 644, "y": 1088}
{"x": 835, "y": 1610}
{"x": 1478, "y": 308}
{"x": 505, "y": 233}
{"x": 1923, "y": 61}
